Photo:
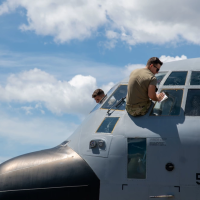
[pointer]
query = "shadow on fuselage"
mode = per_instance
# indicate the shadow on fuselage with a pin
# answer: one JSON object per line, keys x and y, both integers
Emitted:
{"x": 161, "y": 125}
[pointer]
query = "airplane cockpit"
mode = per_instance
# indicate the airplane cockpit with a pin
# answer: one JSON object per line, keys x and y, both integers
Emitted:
{"x": 175, "y": 84}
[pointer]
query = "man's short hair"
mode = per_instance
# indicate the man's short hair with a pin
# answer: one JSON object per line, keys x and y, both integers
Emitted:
{"x": 154, "y": 60}
{"x": 97, "y": 92}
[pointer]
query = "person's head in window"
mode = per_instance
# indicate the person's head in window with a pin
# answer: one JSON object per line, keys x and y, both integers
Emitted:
{"x": 154, "y": 64}
{"x": 98, "y": 95}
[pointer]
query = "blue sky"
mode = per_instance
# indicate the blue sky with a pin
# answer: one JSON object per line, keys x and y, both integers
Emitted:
{"x": 53, "y": 54}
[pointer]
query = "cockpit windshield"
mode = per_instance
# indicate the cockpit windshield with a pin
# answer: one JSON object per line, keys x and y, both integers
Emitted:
{"x": 160, "y": 77}
{"x": 120, "y": 92}
{"x": 104, "y": 99}
{"x": 195, "y": 78}
{"x": 170, "y": 106}
{"x": 192, "y": 107}
{"x": 176, "y": 78}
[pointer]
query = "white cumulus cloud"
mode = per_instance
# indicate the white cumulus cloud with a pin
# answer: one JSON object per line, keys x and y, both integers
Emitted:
{"x": 65, "y": 20}
{"x": 164, "y": 58}
{"x": 130, "y": 21}
{"x": 58, "y": 96}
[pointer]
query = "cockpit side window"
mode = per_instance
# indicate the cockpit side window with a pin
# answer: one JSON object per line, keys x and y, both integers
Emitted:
{"x": 104, "y": 99}
{"x": 192, "y": 107}
{"x": 195, "y": 78}
{"x": 170, "y": 106}
{"x": 120, "y": 92}
{"x": 160, "y": 77}
{"x": 108, "y": 125}
{"x": 176, "y": 78}
{"x": 136, "y": 166}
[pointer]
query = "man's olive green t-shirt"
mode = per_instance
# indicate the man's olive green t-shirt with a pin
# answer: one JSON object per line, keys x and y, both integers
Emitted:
{"x": 138, "y": 84}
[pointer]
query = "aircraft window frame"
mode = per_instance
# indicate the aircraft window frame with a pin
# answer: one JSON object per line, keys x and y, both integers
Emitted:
{"x": 168, "y": 85}
{"x": 112, "y": 128}
{"x": 109, "y": 93}
{"x": 181, "y": 102}
{"x": 115, "y": 102}
{"x": 189, "y": 98}
{"x": 161, "y": 72}
{"x": 130, "y": 174}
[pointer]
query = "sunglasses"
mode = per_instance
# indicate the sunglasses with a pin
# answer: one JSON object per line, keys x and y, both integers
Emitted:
{"x": 157, "y": 69}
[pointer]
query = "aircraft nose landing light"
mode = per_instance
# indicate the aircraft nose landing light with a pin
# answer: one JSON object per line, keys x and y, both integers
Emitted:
{"x": 93, "y": 144}
{"x": 101, "y": 144}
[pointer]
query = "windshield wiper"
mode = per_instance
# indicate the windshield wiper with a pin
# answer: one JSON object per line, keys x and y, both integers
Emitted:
{"x": 119, "y": 103}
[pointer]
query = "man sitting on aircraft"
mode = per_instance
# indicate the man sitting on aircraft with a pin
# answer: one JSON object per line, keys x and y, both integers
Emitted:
{"x": 141, "y": 87}
{"x": 98, "y": 95}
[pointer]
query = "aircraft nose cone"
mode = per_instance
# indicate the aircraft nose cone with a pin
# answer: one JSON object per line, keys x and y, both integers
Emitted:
{"x": 49, "y": 174}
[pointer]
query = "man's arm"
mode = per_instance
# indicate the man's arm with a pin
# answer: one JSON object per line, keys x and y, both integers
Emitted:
{"x": 152, "y": 93}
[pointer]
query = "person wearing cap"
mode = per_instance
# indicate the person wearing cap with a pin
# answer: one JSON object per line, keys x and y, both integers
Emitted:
{"x": 98, "y": 95}
{"x": 142, "y": 88}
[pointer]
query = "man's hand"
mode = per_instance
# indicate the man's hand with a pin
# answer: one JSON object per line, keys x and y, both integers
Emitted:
{"x": 160, "y": 96}
{"x": 152, "y": 93}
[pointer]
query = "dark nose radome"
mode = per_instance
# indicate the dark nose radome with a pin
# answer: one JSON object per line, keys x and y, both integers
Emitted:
{"x": 53, "y": 174}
